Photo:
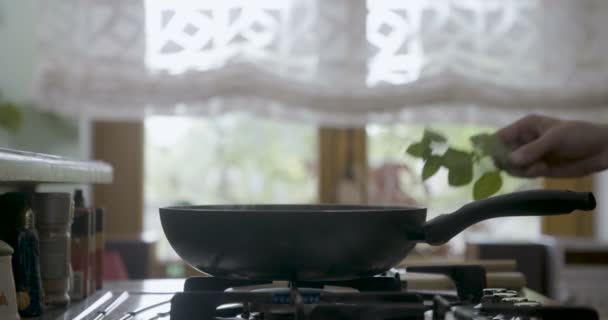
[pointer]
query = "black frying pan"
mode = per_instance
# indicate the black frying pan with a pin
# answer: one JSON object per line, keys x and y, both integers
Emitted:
{"x": 332, "y": 242}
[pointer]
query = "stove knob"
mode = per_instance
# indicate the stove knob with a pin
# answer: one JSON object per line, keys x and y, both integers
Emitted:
{"x": 490, "y": 291}
{"x": 501, "y": 296}
{"x": 514, "y": 300}
{"x": 527, "y": 304}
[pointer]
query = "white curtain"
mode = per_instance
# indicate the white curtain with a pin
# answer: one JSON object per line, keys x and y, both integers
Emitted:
{"x": 337, "y": 62}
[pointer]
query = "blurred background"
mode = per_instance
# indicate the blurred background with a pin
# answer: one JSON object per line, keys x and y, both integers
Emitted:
{"x": 298, "y": 101}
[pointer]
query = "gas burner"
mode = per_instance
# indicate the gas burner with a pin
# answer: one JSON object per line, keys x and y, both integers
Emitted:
{"x": 377, "y": 298}
{"x": 308, "y": 305}
{"x": 367, "y": 298}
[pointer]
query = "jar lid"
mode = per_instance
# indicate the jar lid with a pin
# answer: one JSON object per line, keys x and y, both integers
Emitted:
{"x": 52, "y": 208}
{"x": 5, "y": 249}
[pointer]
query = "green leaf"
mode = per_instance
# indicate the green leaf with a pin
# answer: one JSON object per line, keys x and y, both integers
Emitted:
{"x": 500, "y": 151}
{"x": 431, "y": 166}
{"x": 417, "y": 149}
{"x": 433, "y": 136}
{"x": 480, "y": 138}
{"x": 428, "y": 152}
{"x": 460, "y": 166}
{"x": 460, "y": 176}
{"x": 489, "y": 145}
{"x": 487, "y": 185}
{"x": 454, "y": 158}
{"x": 485, "y": 143}
{"x": 11, "y": 117}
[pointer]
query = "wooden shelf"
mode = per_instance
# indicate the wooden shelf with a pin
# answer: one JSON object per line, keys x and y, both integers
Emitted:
{"x": 28, "y": 167}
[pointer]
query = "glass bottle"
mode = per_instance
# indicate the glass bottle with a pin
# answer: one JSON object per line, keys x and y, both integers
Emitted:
{"x": 26, "y": 267}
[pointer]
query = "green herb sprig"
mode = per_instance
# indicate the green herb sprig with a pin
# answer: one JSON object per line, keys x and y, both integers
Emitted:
{"x": 11, "y": 117}
{"x": 460, "y": 163}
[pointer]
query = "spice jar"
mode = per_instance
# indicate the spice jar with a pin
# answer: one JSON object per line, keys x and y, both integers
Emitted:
{"x": 99, "y": 246}
{"x": 92, "y": 252}
{"x": 26, "y": 267}
{"x": 8, "y": 300}
{"x": 54, "y": 214}
{"x": 17, "y": 229}
{"x": 80, "y": 255}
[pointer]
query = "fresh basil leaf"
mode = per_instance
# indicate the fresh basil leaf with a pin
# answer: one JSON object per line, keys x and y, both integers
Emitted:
{"x": 460, "y": 176}
{"x": 487, "y": 185}
{"x": 433, "y": 136}
{"x": 454, "y": 158}
{"x": 428, "y": 152}
{"x": 460, "y": 163}
{"x": 482, "y": 142}
{"x": 489, "y": 145}
{"x": 460, "y": 166}
{"x": 431, "y": 166}
{"x": 11, "y": 118}
{"x": 417, "y": 149}
{"x": 500, "y": 151}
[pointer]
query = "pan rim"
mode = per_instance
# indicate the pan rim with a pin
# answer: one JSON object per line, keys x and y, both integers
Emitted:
{"x": 291, "y": 208}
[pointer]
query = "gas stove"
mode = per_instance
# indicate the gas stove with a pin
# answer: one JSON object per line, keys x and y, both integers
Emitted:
{"x": 376, "y": 298}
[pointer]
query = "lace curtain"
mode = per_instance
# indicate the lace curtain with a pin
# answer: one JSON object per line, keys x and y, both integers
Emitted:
{"x": 338, "y": 62}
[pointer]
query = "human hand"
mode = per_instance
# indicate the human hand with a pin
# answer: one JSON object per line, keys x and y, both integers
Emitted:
{"x": 544, "y": 146}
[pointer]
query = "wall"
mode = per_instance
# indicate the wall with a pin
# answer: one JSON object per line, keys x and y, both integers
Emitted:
{"x": 17, "y": 48}
{"x": 42, "y": 132}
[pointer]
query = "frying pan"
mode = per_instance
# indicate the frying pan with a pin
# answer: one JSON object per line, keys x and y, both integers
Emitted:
{"x": 332, "y": 242}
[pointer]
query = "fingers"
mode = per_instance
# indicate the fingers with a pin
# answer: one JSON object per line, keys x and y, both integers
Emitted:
{"x": 539, "y": 169}
{"x": 514, "y": 136}
{"x": 572, "y": 169}
{"x": 509, "y": 135}
{"x": 550, "y": 147}
{"x": 514, "y": 131}
{"x": 532, "y": 152}
{"x": 524, "y": 130}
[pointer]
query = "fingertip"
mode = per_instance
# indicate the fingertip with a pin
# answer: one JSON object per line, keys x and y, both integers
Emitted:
{"x": 518, "y": 158}
{"x": 534, "y": 170}
{"x": 506, "y": 135}
{"x": 499, "y": 163}
{"x": 520, "y": 173}
{"x": 533, "y": 151}
{"x": 537, "y": 170}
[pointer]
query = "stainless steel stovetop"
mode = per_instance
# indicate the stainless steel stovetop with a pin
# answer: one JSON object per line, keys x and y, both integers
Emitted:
{"x": 376, "y": 298}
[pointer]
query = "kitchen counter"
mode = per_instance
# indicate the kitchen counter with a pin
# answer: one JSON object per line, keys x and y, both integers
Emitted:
{"x": 146, "y": 293}
{"x": 141, "y": 294}
{"x": 29, "y": 167}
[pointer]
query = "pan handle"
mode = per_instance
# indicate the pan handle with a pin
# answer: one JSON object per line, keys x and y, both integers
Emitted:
{"x": 526, "y": 203}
